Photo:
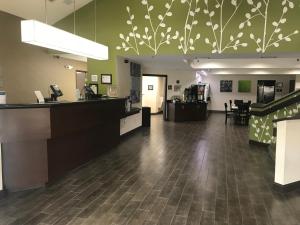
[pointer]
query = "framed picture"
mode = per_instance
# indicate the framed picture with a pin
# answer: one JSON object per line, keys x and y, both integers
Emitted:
{"x": 244, "y": 86}
{"x": 94, "y": 78}
{"x": 106, "y": 79}
{"x": 94, "y": 87}
{"x": 177, "y": 88}
{"x": 150, "y": 87}
{"x": 170, "y": 87}
{"x": 226, "y": 86}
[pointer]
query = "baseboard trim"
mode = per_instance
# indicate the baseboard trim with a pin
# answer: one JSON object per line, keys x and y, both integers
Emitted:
{"x": 157, "y": 113}
{"x": 216, "y": 111}
{"x": 252, "y": 142}
{"x": 286, "y": 188}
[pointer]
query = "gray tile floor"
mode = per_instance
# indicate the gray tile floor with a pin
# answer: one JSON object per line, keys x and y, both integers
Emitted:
{"x": 192, "y": 173}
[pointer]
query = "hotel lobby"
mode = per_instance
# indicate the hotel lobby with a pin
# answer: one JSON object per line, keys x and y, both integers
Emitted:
{"x": 147, "y": 112}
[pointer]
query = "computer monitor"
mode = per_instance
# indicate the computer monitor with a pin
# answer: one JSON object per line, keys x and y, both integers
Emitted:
{"x": 89, "y": 91}
{"x": 56, "y": 92}
{"x": 90, "y": 94}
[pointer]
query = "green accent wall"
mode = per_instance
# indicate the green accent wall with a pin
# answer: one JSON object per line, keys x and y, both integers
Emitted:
{"x": 261, "y": 127}
{"x": 177, "y": 27}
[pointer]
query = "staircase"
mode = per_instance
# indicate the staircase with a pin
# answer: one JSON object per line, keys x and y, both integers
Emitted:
{"x": 262, "y": 129}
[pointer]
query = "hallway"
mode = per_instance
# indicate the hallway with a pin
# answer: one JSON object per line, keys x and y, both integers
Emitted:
{"x": 175, "y": 173}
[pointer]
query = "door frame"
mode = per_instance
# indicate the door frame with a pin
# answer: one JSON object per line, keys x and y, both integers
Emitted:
{"x": 79, "y": 71}
{"x": 165, "y": 113}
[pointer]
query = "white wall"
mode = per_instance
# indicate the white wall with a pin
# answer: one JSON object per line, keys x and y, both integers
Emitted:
{"x": 124, "y": 85}
{"x": 297, "y": 84}
{"x": 152, "y": 98}
{"x": 1, "y": 79}
{"x": 25, "y": 68}
{"x": 124, "y": 79}
{"x": 218, "y": 99}
{"x": 1, "y": 179}
{"x": 287, "y": 164}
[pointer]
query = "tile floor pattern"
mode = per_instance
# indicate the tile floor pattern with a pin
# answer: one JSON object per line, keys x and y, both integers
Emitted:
{"x": 191, "y": 173}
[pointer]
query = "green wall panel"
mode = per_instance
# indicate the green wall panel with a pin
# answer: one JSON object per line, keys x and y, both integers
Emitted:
{"x": 175, "y": 27}
{"x": 244, "y": 86}
{"x": 261, "y": 127}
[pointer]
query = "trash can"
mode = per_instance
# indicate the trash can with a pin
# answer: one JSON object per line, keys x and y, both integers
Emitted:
{"x": 146, "y": 116}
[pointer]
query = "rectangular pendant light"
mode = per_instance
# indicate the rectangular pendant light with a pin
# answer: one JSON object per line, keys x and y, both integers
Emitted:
{"x": 43, "y": 35}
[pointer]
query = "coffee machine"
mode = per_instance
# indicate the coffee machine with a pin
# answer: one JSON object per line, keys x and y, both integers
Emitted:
{"x": 197, "y": 92}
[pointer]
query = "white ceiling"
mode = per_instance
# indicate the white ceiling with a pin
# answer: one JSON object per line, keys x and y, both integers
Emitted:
{"x": 224, "y": 64}
{"x": 35, "y": 9}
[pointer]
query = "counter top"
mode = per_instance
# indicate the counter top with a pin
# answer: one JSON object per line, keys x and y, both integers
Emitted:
{"x": 54, "y": 104}
{"x": 296, "y": 117}
{"x": 46, "y": 141}
{"x": 132, "y": 112}
{"x": 201, "y": 102}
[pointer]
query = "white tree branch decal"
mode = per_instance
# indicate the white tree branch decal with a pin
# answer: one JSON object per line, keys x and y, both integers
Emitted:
{"x": 126, "y": 45}
{"x": 154, "y": 36}
{"x": 261, "y": 9}
{"x": 186, "y": 42}
{"x": 218, "y": 28}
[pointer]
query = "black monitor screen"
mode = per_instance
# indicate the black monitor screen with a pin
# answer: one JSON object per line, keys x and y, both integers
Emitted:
{"x": 89, "y": 90}
{"x": 56, "y": 91}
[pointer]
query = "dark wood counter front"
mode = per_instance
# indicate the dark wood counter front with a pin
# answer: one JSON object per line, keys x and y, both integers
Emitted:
{"x": 41, "y": 144}
{"x": 180, "y": 112}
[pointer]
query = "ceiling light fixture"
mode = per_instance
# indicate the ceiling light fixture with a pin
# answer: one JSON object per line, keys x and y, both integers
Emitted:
{"x": 203, "y": 72}
{"x": 43, "y": 35}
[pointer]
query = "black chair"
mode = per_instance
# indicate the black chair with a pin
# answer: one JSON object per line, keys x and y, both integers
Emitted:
{"x": 238, "y": 102}
{"x": 242, "y": 116}
{"x": 228, "y": 114}
{"x": 230, "y": 104}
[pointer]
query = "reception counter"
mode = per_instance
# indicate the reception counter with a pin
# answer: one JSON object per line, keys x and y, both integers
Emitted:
{"x": 183, "y": 111}
{"x": 42, "y": 142}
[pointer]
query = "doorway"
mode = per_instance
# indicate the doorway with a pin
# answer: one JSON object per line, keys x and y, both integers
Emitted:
{"x": 80, "y": 79}
{"x": 154, "y": 93}
{"x": 292, "y": 86}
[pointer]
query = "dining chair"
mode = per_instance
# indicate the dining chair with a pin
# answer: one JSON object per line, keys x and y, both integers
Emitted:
{"x": 230, "y": 104}
{"x": 238, "y": 102}
{"x": 228, "y": 113}
{"x": 243, "y": 114}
